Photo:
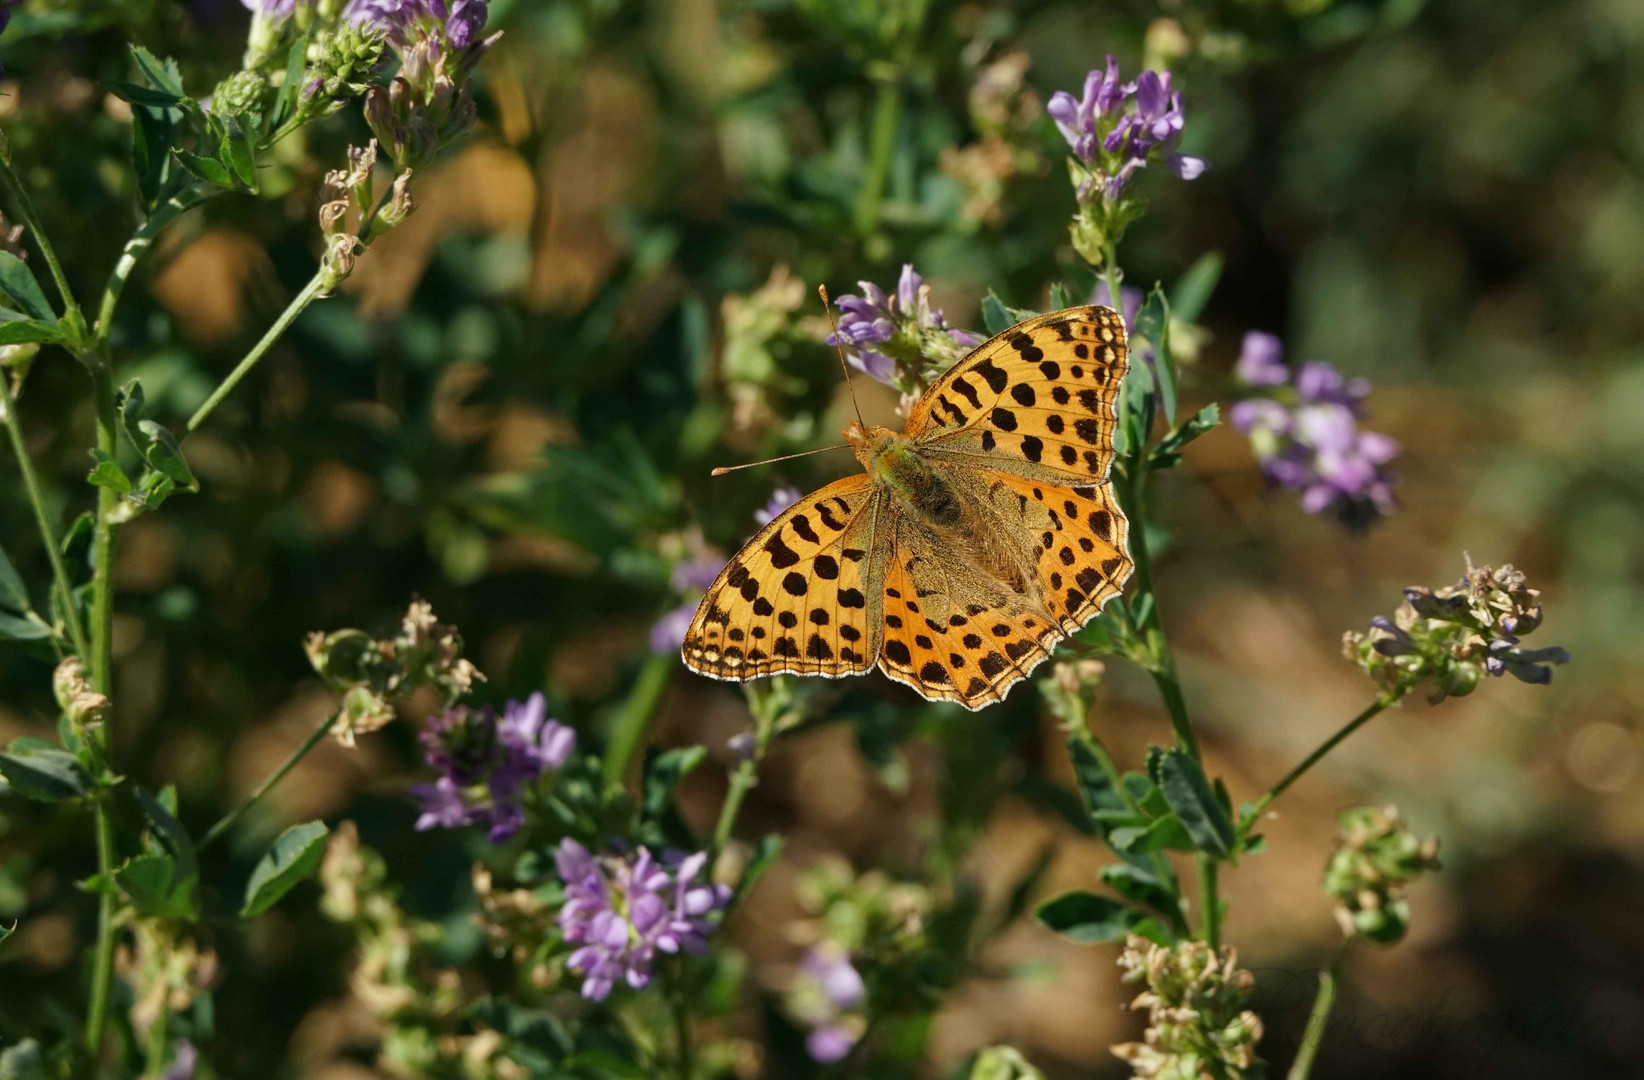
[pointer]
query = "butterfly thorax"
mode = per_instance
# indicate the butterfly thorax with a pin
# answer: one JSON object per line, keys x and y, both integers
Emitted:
{"x": 893, "y": 462}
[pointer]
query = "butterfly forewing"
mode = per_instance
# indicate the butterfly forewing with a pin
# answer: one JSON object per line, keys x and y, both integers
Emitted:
{"x": 1037, "y": 399}
{"x": 797, "y": 597}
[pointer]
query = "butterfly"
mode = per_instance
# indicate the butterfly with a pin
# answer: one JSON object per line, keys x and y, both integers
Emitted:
{"x": 970, "y": 545}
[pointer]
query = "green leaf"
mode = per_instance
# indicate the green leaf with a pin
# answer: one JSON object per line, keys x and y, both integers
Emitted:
{"x": 152, "y": 131}
{"x": 26, "y": 331}
{"x": 44, "y": 773}
{"x": 1168, "y": 453}
{"x": 1135, "y": 410}
{"x": 296, "y": 60}
{"x": 995, "y": 316}
{"x": 208, "y": 169}
{"x": 144, "y": 96}
{"x": 156, "y": 888}
{"x": 1153, "y": 324}
{"x": 664, "y": 771}
{"x": 1202, "y": 814}
{"x": 162, "y": 74}
{"x": 1161, "y": 834}
{"x": 1087, "y": 916}
{"x": 1099, "y": 793}
{"x": 107, "y": 473}
{"x": 294, "y": 855}
{"x": 23, "y": 628}
{"x": 1139, "y": 886}
{"x": 18, "y": 283}
{"x": 1058, "y": 297}
{"x": 13, "y": 593}
{"x": 168, "y": 831}
{"x": 235, "y": 152}
{"x": 165, "y": 456}
{"x": 1193, "y": 288}
{"x": 7, "y": 931}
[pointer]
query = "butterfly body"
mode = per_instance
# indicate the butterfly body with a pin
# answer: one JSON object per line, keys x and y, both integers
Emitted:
{"x": 970, "y": 544}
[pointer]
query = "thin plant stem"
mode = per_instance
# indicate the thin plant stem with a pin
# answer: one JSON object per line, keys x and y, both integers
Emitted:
{"x": 742, "y": 781}
{"x": 887, "y": 115}
{"x": 633, "y": 720}
{"x": 765, "y": 707}
{"x": 26, "y": 215}
{"x": 48, "y": 536}
{"x": 227, "y": 821}
{"x": 298, "y": 305}
{"x": 1371, "y": 710}
{"x": 101, "y": 664}
{"x": 1210, "y": 920}
{"x": 138, "y": 246}
{"x": 1319, "y": 1018}
{"x": 102, "y": 980}
{"x": 682, "y": 1028}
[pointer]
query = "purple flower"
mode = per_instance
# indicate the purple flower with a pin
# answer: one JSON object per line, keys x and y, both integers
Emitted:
{"x": 459, "y": 21}
{"x": 183, "y": 1060}
{"x": 622, "y": 909}
{"x": 780, "y": 500}
{"x": 487, "y": 765}
{"x": 827, "y": 995}
{"x": 1117, "y": 128}
{"x": 1304, "y": 428}
{"x": 896, "y": 338}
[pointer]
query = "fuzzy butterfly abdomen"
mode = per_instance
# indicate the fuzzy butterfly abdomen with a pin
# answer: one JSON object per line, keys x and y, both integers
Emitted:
{"x": 895, "y": 464}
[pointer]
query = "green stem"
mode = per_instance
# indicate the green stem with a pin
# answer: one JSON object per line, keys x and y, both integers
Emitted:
{"x": 887, "y": 109}
{"x": 682, "y": 1029}
{"x": 1110, "y": 769}
{"x": 1375, "y": 707}
{"x": 102, "y": 978}
{"x": 155, "y": 1053}
{"x": 298, "y": 305}
{"x": 633, "y": 721}
{"x": 742, "y": 782}
{"x": 31, "y": 484}
{"x": 766, "y": 708}
{"x": 1319, "y": 1018}
{"x": 136, "y": 247}
{"x": 102, "y": 677}
{"x": 227, "y": 821}
{"x": 1210, "y": 920}
{"x": 26, "y": 215}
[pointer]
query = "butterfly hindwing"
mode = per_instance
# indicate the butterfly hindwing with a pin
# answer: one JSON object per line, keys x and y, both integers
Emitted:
{"x": 1037, "y": 399}
{"x": 797, "y": 597}
{"x": 954, "y": 635}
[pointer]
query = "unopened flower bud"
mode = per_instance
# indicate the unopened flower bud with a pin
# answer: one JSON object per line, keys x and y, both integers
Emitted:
{"x": 240, "y": 93}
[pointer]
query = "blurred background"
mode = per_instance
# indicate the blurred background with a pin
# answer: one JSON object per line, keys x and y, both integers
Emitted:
{"x": 513, "y": 408}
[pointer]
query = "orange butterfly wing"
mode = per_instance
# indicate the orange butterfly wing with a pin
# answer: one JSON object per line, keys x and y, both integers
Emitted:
{"x": 797, "y": 597}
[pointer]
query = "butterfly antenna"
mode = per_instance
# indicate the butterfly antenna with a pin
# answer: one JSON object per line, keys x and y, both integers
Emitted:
{"x": 839, "y": 347}
{"x": 722, "y": 470}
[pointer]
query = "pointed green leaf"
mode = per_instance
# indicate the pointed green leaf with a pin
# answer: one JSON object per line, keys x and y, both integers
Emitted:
{"x": 1142, "y": 887}
{"x": 44, "y": 773}
{"x": 168, "y": 831}
{"x": 208, "y": 169}
{"x": 1202, "y": 814}
{"x": 164, "y": 455}
{"x": 1153, "y": 325}
{"x": 144, "y": 95}
{"x": 995, "y": 316}
{"x": 1168, "y": 453}
{"x": 1193, "y": 288}
{"x": 296, "y": 60}
{"x": 156, "y": 888}
{"x": 162, "y": 74}
{"x": 14, "y": 595}
{"x": 27, "y": 331}
{"x": 18, "y": 283}
{"x": 1058, "y": 297}
{"x": 294, "y": 855}
{"x": 1087, "y": 916}
{"x": 26, "y": 628}
{"x": 107, "y": 473}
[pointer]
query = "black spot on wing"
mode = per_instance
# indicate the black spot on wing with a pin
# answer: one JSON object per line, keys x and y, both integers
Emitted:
{"x": 1004, "y": 419}
{"x": 782, "y": 556}
{"x": 802, "y": 526}
{"x": 898, "y": 652}
{"x": 827, "y": 567}
{"x": 993, "y": 375}
{"x": 965, "y": 389}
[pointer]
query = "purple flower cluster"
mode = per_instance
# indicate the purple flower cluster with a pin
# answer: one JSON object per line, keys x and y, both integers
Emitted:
{"x": 487, "y": 764}
{"x": 462, "y": 20}
{"x": 1304, "y": 428}
{"x": 827, "y": 996}
{"x": 623, "y": 909}
{"x": 896, "y": 337}
{"x": 1117, "y": 128}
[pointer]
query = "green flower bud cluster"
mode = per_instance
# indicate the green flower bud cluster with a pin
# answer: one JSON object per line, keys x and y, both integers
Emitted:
{"x": 372, "y": 674}
{"x": 867, "y": 914}
{"x": 1198, "y": 1028}
{"x": 1378, "y": 856}
{"x": 1455, "y": 636}
{"x": 240, "y": 94}
{"x": 341, "y": 65}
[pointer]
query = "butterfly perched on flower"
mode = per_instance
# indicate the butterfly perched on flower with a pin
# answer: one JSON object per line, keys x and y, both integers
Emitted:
{"x": 971, "y": 544}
